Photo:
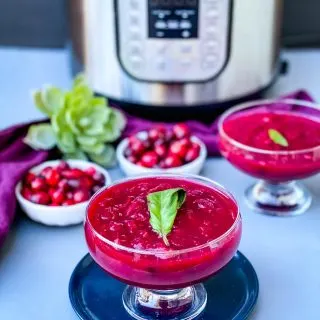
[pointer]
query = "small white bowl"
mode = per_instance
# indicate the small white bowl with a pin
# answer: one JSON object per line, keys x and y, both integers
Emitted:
{"x": 57, "y": 216}
{"x": 131, "y": 169}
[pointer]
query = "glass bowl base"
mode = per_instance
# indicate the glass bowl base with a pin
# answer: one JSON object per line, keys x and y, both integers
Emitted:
{"x": 182, "y": 304}
{"x": 278, "y": 199}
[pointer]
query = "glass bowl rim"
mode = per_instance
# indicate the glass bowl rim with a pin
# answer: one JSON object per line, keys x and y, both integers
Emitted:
{"x": 254, "y": 103}
{"x": 170, "y": 253}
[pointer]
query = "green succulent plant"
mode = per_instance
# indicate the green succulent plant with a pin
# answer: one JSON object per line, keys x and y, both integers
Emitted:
{"x": 81, "y": 125}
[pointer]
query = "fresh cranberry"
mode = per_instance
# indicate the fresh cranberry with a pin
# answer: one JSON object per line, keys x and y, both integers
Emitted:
{"x": 72, "y": 173}
{"x": 132, "y": 159}
{"x": 58, "y": 196}
{"x": 139, "y": 163}
{"x": 52, "y": 177}
{"x": 86, "y": 182}
{"x": 39, "y": 184}
{"x": 99, "y": 178}
{"x": 63, "y": 165}
{"x": 169, "y": 135}
{"x": 162, "y": 164}
{"x": 74, "y": 183}
{"x": 172, "y": 161}
{"x": 157, "y": 133}
{"x": 40, "y": 197}
{"x": 64, "y": 185}
{"x": 160, "y": 150}
{"x": 149, "y": 159}
{"x": 51, "y": 192}
{"x": 178, "y": 149}
{"x": 26, "y": 193}
{"x": 29, "y": 178}
{"x": 90, "y": 171}
{"x": 127, "y": 152}
{"x": 186, "y": 142}
{"x": 181, "y": 130}
{"x": 45, "y": 171}
{"x": 138, "y": 147}
{"x": 81, "y": 195}
{"x": 192, "y": 154}
{"x": 68, "y": 202}
{"x": 159, "y": 142}
{"x": 96, "y": 189}
{"x": 133, "y": 140}
{"x": 195, "y": 146}
{"x": 69, "y": 195}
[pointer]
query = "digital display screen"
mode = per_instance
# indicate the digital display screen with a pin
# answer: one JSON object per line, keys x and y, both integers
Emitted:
{"x": 173, "y": 18}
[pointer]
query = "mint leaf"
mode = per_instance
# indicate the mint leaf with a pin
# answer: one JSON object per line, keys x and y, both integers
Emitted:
{"x": 163, "y": 207}
{"x": 278, "y": 138}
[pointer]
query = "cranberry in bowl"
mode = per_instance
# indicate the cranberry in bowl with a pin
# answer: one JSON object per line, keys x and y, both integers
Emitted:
{"x": 57, "y": 192}
{"x": 161, "y": 150}
{"x": 277, "y": 142}
{"x": 163, "y": 235}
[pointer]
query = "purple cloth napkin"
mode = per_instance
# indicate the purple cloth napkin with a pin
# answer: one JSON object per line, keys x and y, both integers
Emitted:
{"x": 16, "y": 158}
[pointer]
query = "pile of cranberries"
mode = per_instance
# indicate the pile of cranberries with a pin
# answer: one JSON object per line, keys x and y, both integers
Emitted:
{"x": 163, "y": 148}
{"x": 61, "y": 185}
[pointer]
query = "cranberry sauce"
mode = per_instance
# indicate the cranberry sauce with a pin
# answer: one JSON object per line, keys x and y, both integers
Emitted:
{"x": 251, "y": 129}
{"x": 120, "y": 214}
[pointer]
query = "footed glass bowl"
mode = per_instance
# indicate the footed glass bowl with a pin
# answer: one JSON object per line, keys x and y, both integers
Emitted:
{"x": 276, "y": 192}
{"x": 164, "y": 282}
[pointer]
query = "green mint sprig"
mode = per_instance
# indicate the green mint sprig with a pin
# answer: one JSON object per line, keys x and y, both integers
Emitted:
{"x": 278, "y": 138}
{"x": 163, "y": 207}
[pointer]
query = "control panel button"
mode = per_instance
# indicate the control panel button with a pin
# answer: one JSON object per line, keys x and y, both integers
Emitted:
{"x": 134, "y": 18}
{"x": 185, "y": 34}
{"x": 211, "y": 47}
{"x": 211, "y": 34}
{"x": 212, "y": 4}
{"x": 173, "y": 24}
{"x": 160, "y": 24}
{"x": 134, "y": 4}
{"x": 135, "y": 48}
{"x": 136, "y": 61}
{"x": 212, "y": 13}
{"x": 185, "y": 24}
{"x": 209, "y": 62}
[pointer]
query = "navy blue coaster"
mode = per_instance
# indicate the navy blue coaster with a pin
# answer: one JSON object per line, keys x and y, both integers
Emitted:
{"x": 232, "y": 293}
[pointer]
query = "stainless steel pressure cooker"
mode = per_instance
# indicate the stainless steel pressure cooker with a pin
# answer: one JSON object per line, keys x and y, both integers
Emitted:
{"x": 177, "y": 54}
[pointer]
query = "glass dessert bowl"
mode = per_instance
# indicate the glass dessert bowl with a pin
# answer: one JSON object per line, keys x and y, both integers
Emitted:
{"x": 164, "y": 273}
{"x": 277, "y": 142}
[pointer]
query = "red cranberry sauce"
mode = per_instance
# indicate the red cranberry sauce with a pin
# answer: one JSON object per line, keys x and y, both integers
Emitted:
{"x": 251, "y": 128}
{"x": 120, "y": 214}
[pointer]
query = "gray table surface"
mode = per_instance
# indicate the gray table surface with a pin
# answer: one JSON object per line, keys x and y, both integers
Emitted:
{"x": 36, "y": 261}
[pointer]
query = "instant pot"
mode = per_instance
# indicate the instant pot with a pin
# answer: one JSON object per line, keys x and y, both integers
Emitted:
{"x": 177, "y": 58}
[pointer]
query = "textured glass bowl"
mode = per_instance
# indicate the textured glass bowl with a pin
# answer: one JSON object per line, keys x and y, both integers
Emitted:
{"x": 276, "y": 192}
{"x": 163, "y": 282}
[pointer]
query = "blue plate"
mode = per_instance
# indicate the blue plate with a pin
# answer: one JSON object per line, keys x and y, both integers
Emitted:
{"x": 232, "y": 293}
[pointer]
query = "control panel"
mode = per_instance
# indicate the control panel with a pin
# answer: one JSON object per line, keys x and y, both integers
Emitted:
{"x": 173, "y": 40}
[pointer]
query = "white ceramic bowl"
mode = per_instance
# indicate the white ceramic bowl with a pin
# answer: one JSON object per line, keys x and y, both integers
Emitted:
{"x": 131, "y": 169}
{"x": 57, "y": 216}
